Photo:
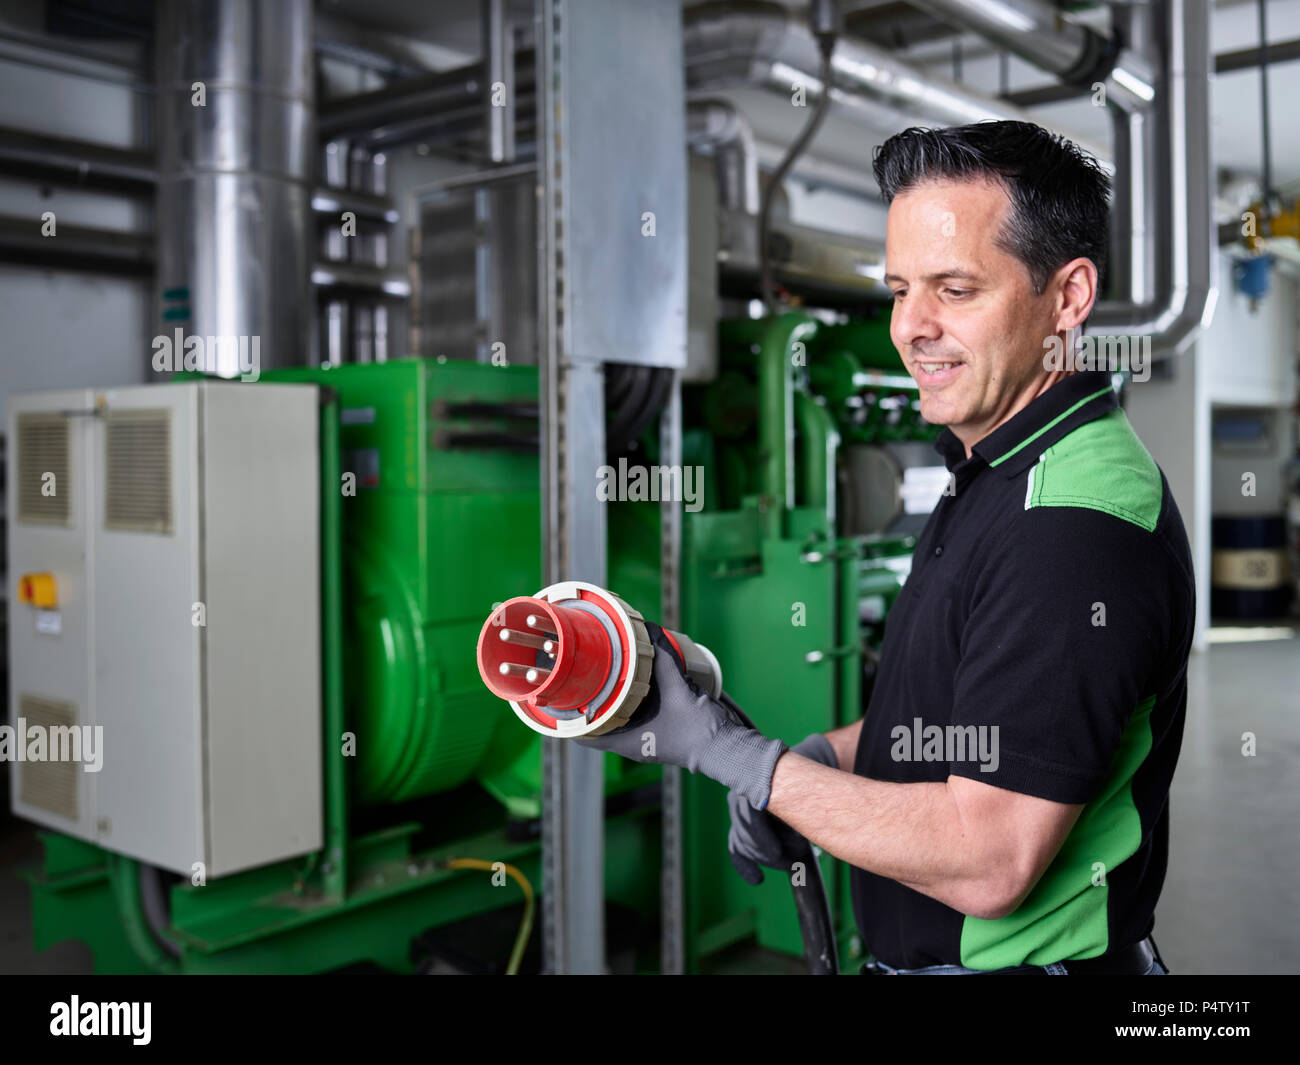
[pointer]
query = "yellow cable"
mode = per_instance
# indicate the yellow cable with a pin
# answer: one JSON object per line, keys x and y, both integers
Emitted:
{"x": 526, "y": 925}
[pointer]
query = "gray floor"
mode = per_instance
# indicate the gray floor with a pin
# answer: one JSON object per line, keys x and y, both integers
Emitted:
{"x": 1231, "y": 902}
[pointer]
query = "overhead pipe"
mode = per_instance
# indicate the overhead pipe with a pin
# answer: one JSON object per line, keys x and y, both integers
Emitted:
{"x": 360, "y": 279}
{"x": 1136, "y": 136}
{"x": 129, "y": 172}
{"x": 726, "y": 46}
{"x": 1157, "y": 87}
{"x": 499, "y": 60}
{"x": 762, "y": 44}
{"x": 1079, "y": 56}
{"x": 1287, "y": 51}
{"x": 1163, "y": 230}
{"x": 84, "y": 249}
{"x": 353, "y": 117}
{"x": 1035, "y": 31}
{"x": 823, "y": 25}
{"x": 1163, "y": 268}
{"x": 80, "y": 163}
{"x": 717, "y": 126}
{"x": 432, "y": 107}
{"x": 115, "y": 253}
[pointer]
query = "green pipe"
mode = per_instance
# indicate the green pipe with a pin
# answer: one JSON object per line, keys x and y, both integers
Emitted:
{"x": 776, "y": 414}
{"x": 821, "y": 442}
{"x": 835, "y": 374}
{"x": 331, "y": 514}
{"x": 870, "y": 342}
{"x": 124, "y": 876}
{"x": 850, "y": 707}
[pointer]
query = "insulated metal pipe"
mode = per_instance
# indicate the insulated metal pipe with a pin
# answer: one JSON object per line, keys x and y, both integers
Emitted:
{"x": 499, "y": 59}
{"x": 1035, "y": 31}
{"x": 1168, "y": 157}
{"x": 236, "y": 160}
{"x": 763, "y": 44}
{"x": 718, "y": 127}
{"x": 1135, "y": 115}
{"x": 1156, "y": 76}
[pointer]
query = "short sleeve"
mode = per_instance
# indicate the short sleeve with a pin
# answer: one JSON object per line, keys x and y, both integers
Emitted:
{"x": 1065, "y": 630}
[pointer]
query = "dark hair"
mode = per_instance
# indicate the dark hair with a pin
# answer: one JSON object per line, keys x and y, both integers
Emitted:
{"x": 1059, "y": 194}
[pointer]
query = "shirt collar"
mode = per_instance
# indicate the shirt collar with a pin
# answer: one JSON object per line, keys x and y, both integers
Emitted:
{"x": 1017, "y": 443}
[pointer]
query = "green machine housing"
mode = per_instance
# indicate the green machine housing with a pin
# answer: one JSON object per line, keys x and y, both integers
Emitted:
{"x": 431, "y": 515}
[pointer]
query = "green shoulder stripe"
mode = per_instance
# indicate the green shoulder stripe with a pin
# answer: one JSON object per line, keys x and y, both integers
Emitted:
{"x": 1102, "y": 465}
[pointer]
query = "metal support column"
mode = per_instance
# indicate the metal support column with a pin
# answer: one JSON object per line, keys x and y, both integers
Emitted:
{"x": 573, "y": 537}
{"x": 672, "y": 944}
{"x": 611, "y": 288}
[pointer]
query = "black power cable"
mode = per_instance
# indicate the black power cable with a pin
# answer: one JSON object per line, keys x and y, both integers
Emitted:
{"x": 636, "y": 396}
{"x": 822, "y": 15}
{"x": 815, "y": 925}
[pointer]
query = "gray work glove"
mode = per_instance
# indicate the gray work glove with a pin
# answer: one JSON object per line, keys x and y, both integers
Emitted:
{"x": 759, "y": 838}
{"x": 680, "y": 724}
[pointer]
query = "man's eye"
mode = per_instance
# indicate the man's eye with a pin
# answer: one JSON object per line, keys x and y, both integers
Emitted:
{"x": 958, "y": 293}
{"x": 899, "y": 295}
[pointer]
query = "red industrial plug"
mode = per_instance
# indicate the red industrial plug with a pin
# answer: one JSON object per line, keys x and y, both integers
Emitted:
{"x": 575, "y": 659}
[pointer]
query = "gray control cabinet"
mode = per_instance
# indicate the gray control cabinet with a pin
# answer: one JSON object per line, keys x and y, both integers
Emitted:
{"x": 180, "y": 526}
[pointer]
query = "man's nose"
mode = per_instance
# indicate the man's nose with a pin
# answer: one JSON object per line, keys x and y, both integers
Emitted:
{"x": 915, "y": 318}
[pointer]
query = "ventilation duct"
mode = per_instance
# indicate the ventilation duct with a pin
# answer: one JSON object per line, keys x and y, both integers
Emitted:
{"x": 236, "y": 165}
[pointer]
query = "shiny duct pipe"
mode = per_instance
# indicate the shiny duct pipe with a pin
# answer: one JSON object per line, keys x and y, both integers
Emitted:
{"x": 236, "y": 163}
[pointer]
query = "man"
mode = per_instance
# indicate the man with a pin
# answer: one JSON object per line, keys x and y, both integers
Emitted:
{"x": 1004, "y": 803}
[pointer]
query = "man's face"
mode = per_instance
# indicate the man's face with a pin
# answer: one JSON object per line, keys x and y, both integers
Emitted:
{"x": 965, "y": 319}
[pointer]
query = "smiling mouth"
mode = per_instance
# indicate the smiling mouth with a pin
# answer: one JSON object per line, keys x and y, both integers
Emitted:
{"x": 936, "y": 371}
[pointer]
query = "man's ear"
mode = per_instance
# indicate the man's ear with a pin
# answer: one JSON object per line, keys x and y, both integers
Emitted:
{"x": 1076, "y": 285}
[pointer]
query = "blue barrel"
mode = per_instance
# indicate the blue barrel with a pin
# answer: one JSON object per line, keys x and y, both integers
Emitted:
{"x": 1249, "y": 574}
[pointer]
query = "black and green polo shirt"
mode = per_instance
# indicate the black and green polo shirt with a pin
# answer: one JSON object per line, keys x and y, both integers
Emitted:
{"x": 1040, "y": 645}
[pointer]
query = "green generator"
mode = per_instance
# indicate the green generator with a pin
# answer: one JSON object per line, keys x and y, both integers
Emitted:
{"x": 429, "y": 787}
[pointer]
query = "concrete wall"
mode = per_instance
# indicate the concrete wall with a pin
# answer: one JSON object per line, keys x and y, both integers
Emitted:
{"x": 1173, "y": 419}
{"x": 1244, "y": 360}
{"x": 62, "y": 329}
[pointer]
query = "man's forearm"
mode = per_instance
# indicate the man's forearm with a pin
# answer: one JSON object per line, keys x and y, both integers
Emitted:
{"x": 844, "y": 742}
{"x": 913, "y": 833}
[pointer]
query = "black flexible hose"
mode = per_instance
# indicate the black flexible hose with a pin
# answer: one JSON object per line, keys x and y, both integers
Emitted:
{"x": 810, "y": 901}
{"x": 640, "y": 393}
{"x": 661, "y": 383}
{"x": 629, "y": 387}
{"x": 618, "y": 381}
{"x": 157, "y": 911}
{"x": 814, "y": 911}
